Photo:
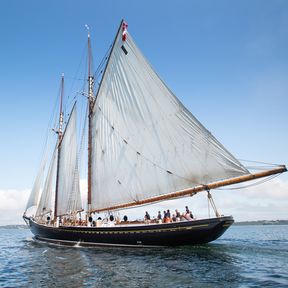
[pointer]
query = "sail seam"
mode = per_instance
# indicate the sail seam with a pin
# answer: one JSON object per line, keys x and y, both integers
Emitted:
{"x": 141, "y": 154}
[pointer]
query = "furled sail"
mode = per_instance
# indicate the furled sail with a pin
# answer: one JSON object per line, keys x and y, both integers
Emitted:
{"x": 46, "y": 203}
{"x": 69, "y": 199}
{"x": 36, "y": 190}
{"x": 145, "y": 142}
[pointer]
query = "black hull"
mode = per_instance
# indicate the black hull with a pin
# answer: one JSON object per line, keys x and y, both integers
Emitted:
{"x": 170, "y": 234}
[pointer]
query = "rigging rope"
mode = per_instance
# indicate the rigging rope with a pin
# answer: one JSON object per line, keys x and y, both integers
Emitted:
{"x": 69, "y": 94}
{"x": 258, "y": 162}
{"x": 95, "y": 75}
{"x": 251, "y": 185}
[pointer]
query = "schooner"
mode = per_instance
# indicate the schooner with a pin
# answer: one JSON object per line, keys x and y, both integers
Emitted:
{"x": 144, "y": 146}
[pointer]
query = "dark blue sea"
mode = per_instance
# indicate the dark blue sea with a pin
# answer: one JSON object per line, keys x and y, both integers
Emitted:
{"x": 245, "y": 256}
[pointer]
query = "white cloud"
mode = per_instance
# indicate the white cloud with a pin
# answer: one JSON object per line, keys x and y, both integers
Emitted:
{"x": 266, "y": 201}
{"x": 12, "y": 205}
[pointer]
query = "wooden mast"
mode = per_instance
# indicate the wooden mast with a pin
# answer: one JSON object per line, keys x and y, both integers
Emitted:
{"x": 60, "y": 135}
{"x": 199, "y": 188}
{"x": 91, "y": 100}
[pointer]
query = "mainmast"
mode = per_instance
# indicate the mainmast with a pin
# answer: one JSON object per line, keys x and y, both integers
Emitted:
{"x": 91, "y": 100}
{"x": 60, "y": 135}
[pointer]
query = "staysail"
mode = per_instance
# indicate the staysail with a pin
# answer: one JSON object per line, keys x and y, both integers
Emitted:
{"x": 69, "y": 199}
{"x": 145, "y": 142}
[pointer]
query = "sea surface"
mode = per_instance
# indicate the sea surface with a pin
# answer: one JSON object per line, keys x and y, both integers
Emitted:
{"x": 245, "y": 256}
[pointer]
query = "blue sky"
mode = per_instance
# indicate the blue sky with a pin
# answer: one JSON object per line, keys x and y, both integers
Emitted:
{"x": 227, "y": 61}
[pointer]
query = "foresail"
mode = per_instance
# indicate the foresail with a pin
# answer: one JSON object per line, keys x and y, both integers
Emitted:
{"x": 46, "y": 203}
{"x": 69, "y": 199}
{"x": 145, "y": 142}
{"x": 36, "y": 190}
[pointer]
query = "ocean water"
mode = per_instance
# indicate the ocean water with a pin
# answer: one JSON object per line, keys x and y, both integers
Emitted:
{"x": 245, "y": 256}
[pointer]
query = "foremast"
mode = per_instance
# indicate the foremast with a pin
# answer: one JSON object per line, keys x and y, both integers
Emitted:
{"x": 60, "y": 136}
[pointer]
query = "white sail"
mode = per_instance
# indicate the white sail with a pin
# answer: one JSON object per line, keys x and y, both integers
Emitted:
{"x": 46, "y": 202}
{"x": 69, "y": 199}
{"x": 145, "y": 142}
{"x": 36, "y": 190}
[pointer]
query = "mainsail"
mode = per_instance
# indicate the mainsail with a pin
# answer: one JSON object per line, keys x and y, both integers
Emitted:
{"x": 145, "y": 142}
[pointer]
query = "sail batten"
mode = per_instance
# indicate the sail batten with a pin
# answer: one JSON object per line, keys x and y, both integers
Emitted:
{"x": 141, "y": 132}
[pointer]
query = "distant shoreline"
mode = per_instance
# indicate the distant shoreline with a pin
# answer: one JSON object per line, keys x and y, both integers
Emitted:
{"x": 262, "y": 222}
{"x": 19, "y": 226}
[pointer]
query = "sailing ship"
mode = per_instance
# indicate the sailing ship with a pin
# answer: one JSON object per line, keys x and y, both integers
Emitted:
{"x": 144, "y": 147}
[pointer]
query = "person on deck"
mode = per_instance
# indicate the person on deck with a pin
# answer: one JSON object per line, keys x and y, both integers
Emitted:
{"x": 188, "y": 213}
{"x": 178, "y": 215}
{"x": 188, "y": 217}
{"x": 147, "y": 216}
{"x": 183, "y": 217}
{"x": 174, "y": 219}
{"x": 167, "y": 216}
{"x": 168, "y": 213}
